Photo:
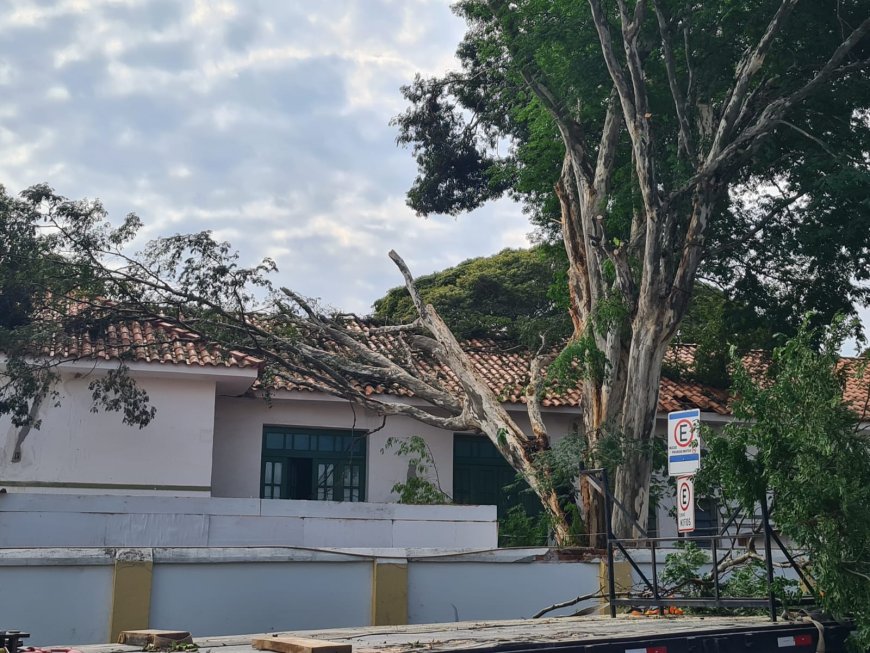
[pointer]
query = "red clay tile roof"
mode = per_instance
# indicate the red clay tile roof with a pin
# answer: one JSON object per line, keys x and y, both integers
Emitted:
{"x": 856, "y": 375}
{"x": 506, "y": 371}
{"x": 147, "y": 341}
{"x": 857, "y": 392}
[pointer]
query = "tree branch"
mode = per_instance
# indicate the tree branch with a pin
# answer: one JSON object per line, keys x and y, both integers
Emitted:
{"x": 679, "y": 101}
{"x": 746, "y": 69}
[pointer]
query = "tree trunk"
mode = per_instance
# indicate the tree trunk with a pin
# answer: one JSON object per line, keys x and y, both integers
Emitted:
{"x": 643, "y": 374}
{"x": 623, "y": 403}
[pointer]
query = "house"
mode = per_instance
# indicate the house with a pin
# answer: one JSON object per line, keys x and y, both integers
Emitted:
{"x": 216, "y": 436}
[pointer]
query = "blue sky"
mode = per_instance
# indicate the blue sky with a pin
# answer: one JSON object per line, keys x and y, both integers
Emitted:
{"x": 264, "y": 121}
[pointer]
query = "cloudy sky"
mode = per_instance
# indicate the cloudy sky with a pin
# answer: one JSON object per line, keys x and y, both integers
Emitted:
{"x": 266, "y": 121}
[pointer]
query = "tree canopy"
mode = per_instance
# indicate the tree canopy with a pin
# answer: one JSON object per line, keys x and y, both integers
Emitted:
{"x": 790, "y": 236}
{"x": 516, "y": 295}
{"x": 665, "y": 142}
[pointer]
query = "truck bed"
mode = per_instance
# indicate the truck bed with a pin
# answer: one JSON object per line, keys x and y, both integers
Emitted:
{"x": 590, "y": 634}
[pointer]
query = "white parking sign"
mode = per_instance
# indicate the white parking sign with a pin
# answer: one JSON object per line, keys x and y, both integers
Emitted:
{"x": 684, "y": 442}
{"x": 685, "y": 504}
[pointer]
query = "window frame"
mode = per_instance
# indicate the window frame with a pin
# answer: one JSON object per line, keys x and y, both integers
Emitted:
{"x": 317, "y": 445}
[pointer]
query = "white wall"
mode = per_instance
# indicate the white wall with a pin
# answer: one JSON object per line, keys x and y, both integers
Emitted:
{"x": 239, "y": 441}
{"x": 30, "y": 520}
{"x": 64, "y": 596}
{"x": 57, "y": 603}
{"x": 76, "y": 450}
{"x": 464, "y": 589}
{"x": 239, "y": 426}
{"x": 246, "y": 597}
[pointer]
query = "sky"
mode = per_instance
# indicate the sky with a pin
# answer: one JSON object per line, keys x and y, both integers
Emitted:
{"x": 266, "y": 122}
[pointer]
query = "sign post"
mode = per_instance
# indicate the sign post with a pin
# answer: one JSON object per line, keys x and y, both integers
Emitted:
{"x": 684, "y": 442}
{"x": 684, "y": 459}
{"x": 685, "y": 504}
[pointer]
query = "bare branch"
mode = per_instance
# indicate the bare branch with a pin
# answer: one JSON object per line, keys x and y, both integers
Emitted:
{"x": 613, "y": 65}
{"x": 565, "y": 604}
{"x": 746, "y": 69}
{"x": 742, "y": 145}
{"x": 607, "y": 146}
{"x": 533, "y": 397}
{"x": 397, "y": 328}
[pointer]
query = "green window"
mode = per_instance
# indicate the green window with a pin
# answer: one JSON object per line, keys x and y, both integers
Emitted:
{"x": 481, "y": 476}
{"x": 313, "y": 464}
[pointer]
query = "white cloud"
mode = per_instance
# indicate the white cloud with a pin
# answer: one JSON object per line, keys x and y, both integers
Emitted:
{"x": 266, "y": 123}
{"x": 57, "y": 93}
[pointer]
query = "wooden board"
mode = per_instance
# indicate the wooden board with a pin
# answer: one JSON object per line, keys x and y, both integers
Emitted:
{"x": 299, "y": 645}
{"x": 150, "y": 636}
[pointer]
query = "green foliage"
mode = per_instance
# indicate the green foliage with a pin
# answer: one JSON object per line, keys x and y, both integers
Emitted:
{"x": 682, "y": 573}
{"x": 504, "y": 296}
{"x": 518, "y": 528}
{"x": 750, "y": 579}
{"x": 797, "y": 440}
{"x": 117, "y": 392}
{"x": 418, "y": 488}
{"x": 580, "y": 359}
{"x": 47, "y": 247}
{"x": 683, "y": 568}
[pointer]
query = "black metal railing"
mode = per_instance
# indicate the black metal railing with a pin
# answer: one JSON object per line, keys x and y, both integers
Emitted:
{"x": 598, "y": 480}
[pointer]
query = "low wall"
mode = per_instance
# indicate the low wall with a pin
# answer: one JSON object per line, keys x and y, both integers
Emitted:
{"x": 67, "y": 596}
{"x": 55, "y": 520}
{"x": 86, "y": 596}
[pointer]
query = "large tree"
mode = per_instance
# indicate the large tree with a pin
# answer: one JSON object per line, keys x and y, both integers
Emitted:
{"x": 667, "y": 140}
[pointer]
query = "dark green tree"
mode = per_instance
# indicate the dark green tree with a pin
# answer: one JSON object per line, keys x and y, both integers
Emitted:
{"x": 42, "y": 268}
{"x": 514, "y": 296}
{"x": 665, "y": 142}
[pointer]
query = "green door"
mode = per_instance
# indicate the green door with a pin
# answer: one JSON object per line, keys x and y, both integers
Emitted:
{"x": 481, "y": 476}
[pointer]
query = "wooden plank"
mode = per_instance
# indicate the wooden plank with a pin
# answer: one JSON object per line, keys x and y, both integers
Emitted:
{"x": 299, "y": 645}
{"x": 153, "y": 636}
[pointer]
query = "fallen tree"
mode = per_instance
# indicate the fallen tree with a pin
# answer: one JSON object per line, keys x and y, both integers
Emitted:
{"x": 80, "y": 281}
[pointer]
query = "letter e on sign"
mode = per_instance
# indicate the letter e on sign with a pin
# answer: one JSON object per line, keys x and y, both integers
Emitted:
{"x": 685, "y": 504}
{"x": 684, "y": 442}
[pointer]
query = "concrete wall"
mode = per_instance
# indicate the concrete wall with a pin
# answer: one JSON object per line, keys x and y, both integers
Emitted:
{"x": 78, "y": 451}
{"x": 29, "y": 520}
{"x": 66, "y": 596}
{"x": 247, "y": 597}
{"x": 66, "y": 602}
{"x": 86, "y": 596}
{"x": 472, "y": 587}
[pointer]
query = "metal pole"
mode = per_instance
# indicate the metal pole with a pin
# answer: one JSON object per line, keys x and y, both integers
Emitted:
{"x": 655, "y": 570}
{"x": 611, "y": 576}
{"x": 715, "y": 570}
{"x": 792, "y": 562}
{"x": 765, "y": 516}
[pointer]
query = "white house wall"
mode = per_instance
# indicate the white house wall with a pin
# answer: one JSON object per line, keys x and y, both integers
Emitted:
{"x": 78, "y": 451}
{"x": 238, "y": 445}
